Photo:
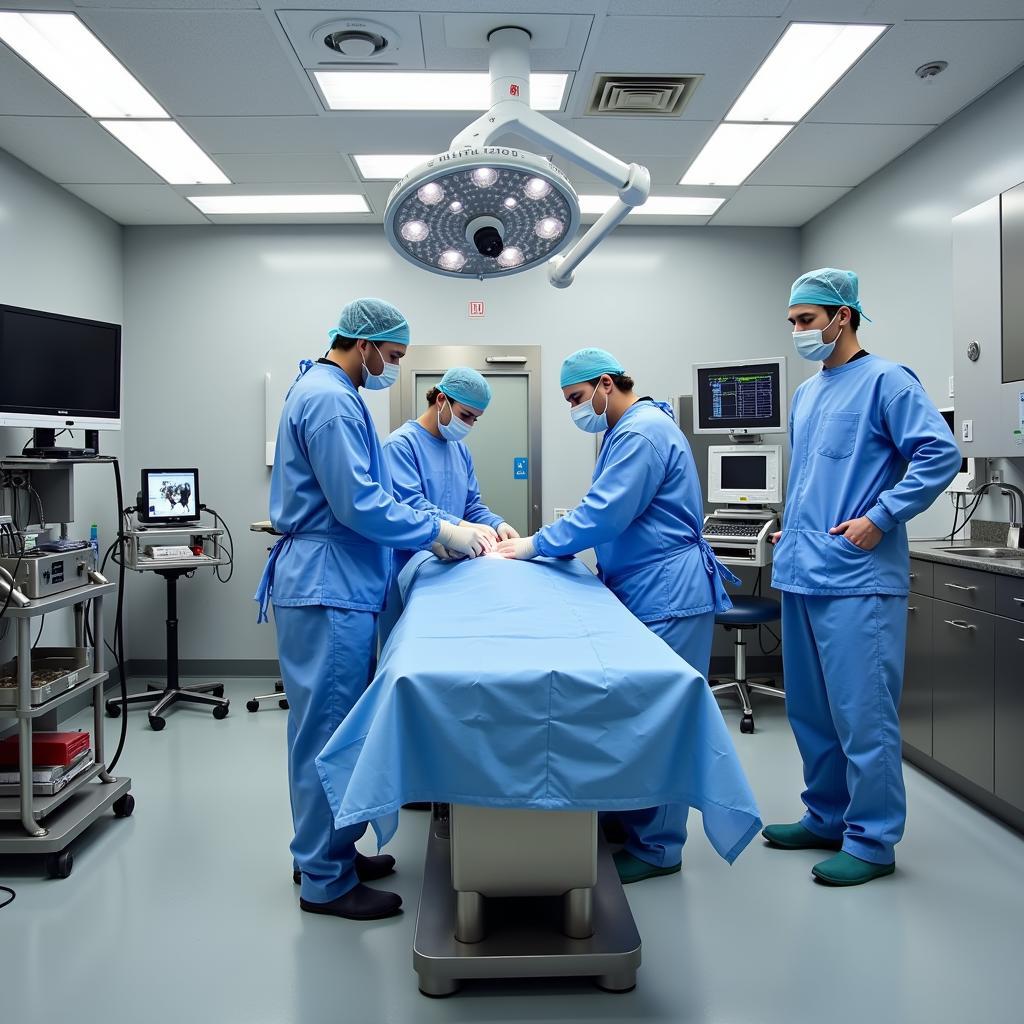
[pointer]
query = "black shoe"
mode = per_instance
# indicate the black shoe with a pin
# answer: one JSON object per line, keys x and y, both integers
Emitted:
{"x": 368, "y": 869}
{"x": 418, "y": 805}
{"x": 614, "y": 831}
{"x": 359, "y": 904}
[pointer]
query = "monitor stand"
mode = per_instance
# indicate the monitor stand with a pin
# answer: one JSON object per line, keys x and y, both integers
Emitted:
{"x": 44, "y": 446}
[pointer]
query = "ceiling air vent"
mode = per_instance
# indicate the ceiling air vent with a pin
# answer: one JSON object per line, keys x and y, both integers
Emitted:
{"x": 641, "y": 95}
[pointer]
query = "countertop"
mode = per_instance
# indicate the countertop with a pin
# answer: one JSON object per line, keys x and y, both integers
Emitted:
{"x": 932, "y": 551}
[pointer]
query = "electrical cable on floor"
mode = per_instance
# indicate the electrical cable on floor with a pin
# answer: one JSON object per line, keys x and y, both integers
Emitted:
{"x": 11, "y": 894}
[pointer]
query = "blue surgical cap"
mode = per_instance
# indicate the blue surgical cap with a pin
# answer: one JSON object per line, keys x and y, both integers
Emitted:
{"x": 372, "y": 319}
{"x": 587, "y": 364}
{"x": 461, "y": 384}
{"x": 828, "y": 287}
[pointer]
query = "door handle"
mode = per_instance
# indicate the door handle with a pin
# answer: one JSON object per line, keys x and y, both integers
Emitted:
{"x": 957, "y": 586}
{"x": 912, "y": 608}
{"x": 959, "y": 624}
{"x": 913, "y": 575}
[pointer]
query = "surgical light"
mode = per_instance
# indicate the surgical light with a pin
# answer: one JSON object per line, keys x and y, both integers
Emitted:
{"x": 490, "y": 210}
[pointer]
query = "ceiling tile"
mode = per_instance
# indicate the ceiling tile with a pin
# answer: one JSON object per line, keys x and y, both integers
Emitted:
{"x": 72, "y": 149}
{"x": 725, "y": 50}
{"x": 268, "y": 168}
{"x": 883, "y": 89}
{"x": 951, "y": 10}
{"x": 24, "y": 91}
{"x": 695, "y": 8}
{"x": 139, "y": 204}
{"x": 772, "y": 206}
{"x": 235, "y": 64}
{"x": 836, "y": 154}
{"x": 222, "y": 5}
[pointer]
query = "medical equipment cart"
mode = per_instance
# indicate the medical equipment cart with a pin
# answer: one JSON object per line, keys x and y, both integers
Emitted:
{"x": 47, "y": 825}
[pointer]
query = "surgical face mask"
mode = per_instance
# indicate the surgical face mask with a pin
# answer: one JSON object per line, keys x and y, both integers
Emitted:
{"x": 811, "y": 344}
{"x": 455, "y": 429}
{"x": 380, "y": 381}
{"x": 586, "y": 418}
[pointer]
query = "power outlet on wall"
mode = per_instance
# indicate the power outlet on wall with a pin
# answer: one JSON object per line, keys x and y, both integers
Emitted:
{"x": 559, "y": 512}
{"x": 951, "y": 385}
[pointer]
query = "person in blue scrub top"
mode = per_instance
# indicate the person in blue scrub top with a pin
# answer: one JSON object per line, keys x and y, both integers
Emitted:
{"x": 432, "y": 469}
{"x": 643, "y": 514}
{"x": 331, "y": 499}
{"x": 869, "y": 452}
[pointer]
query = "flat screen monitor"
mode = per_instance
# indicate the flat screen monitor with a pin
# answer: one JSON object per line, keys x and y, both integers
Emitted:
{"x": 169, "y": 496}
{"x": 745, "y": 474}
{"x": 746, "y": 397}
{"x": 58, "y": 371}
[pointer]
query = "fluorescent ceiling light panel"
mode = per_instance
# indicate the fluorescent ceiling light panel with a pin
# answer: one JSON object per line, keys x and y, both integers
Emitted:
{"x": 62, "y": 49}
{"x": 732, "y": 153}
{"x": 427, "y": 90}
{"x": 806, "y": 62}
{"x": 281, "y": 204}
{"x": 657, "y": 206}
{"x": 388, "y": 166}
{"x": 167, "y": 148}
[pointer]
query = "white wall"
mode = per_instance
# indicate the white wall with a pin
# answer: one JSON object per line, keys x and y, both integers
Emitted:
{"x": 59, "y": 254}
{"x": 895, "y": 230}
{"x": 210, "y": 310}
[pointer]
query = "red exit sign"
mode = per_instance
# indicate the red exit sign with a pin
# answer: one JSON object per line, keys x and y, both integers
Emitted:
{"x": 476, "y": 309}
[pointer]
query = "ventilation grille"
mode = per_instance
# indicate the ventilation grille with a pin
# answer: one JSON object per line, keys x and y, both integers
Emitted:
{"x": 641, "y": 95}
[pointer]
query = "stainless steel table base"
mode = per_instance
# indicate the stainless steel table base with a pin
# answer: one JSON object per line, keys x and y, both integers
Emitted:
{"x": 522, "y": 937}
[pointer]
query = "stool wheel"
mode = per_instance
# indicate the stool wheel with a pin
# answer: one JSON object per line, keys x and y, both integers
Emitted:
{"x": 747, "y": 723}
{"x": 252, "y": 705}
{"x": 220, "y": 711}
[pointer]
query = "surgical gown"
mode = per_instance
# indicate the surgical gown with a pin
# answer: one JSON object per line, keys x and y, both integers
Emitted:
{"x": 434, "y": 475}
{"x": 330, "y": 498}
{"x": 866, "y": 441}
{"x": 644, "y": 514}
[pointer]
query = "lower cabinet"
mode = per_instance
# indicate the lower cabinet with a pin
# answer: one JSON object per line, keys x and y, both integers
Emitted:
{"x": 1009, "y": 711}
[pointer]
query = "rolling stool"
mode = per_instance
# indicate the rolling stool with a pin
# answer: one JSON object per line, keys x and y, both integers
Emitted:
{"x": 254, "y": 703}
{"x": 747, "y": 612}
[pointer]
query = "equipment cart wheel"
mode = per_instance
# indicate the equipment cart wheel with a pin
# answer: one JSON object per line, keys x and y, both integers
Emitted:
{"x": 747, "y": 724}
{"x": 221, "y": 711}
{"x": 59, "y": 865}
{"x": 252, "y": 705}
{"x": 123, "y": 806}
{"x": 113, "y": 709}
{"x": 156, "y": 723}
{"x": 283, "y": 705}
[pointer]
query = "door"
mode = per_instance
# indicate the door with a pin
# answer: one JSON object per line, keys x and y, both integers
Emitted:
{"x": 916, "y": 705}
{"x": 505, "y": 443}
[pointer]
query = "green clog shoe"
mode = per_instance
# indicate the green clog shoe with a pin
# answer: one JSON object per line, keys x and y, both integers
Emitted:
{"x": 632, "y": 869}
{"x": 796, "y": 837}
{"x": 845, "y": 869}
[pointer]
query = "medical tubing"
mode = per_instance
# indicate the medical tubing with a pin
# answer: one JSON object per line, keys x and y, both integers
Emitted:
{"x": 231, "y": 542}
{"x": 119, "y": 618}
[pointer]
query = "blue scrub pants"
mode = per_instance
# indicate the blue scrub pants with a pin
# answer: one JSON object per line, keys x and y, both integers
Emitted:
{"x": 843, "y": 664}
{"x": 656, "y": 835}
{"x": 327, "y": 661}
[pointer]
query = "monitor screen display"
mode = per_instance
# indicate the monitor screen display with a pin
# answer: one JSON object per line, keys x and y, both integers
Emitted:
{"x": 739, "y": 397}
{"x": 170, "y": 494}
{"x": 744, "y": 472}
{"x": 59, "y": 366}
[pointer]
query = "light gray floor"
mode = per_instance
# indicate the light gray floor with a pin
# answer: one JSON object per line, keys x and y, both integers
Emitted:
{"x": 187, "y": 912}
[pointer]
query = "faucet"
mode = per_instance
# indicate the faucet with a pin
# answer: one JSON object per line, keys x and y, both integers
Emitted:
{"x": 1015, "y": 494}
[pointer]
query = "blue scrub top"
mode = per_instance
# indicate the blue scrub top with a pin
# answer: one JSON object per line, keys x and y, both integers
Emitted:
{"x": 434, "y": 475}
{"x": 643, "y": 514}
{"x": 866, "y": 441}
{"x": 331, "y": 497}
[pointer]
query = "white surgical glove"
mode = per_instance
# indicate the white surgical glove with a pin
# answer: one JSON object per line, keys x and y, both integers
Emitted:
{"x": 518, "y": 547}
{"x": 441, "y": 552}
{"x": 487, "y": 531}
{"x": 506, "y": 532}
{"x": 467, "y": 541}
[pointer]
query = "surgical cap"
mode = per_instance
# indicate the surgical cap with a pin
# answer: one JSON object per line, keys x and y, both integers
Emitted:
{"x": 587, "y": 364}
{"x": 461, "y": 384}
{"x": 828, "y": 287}
{"x": 372, "y": 319}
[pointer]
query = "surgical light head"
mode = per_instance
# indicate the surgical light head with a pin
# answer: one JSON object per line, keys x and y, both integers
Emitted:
{"x": 372, "y": 319}
{"x": 486, "y": 212}
{"x": 481, "y": 210}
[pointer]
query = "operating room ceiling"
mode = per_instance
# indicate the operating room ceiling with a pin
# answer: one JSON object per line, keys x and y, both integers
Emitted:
{"x": 236, "y": 75}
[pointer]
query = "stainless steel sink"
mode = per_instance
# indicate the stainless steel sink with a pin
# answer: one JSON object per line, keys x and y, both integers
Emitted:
{"x": 1017, "y": 553}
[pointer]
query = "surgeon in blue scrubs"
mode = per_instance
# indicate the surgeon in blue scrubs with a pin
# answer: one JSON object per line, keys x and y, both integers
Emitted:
{"x": 869, "y": 452}
{"x": 331, "y": 499}
{"x": 432, "y": 469}
{"x": 643, "y": 514}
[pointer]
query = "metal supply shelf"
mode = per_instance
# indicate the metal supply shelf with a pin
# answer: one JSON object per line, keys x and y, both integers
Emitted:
{"x": 31, "y": 824}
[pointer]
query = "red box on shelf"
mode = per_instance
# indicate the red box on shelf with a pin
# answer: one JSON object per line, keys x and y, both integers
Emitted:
{"x": 48, "y": 748}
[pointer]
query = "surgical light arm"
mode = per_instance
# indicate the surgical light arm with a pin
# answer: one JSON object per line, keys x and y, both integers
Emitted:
{"x": 510, "y": 77}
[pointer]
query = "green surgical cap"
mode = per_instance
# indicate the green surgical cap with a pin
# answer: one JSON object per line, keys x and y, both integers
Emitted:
{"x": 372, "y": 319}
{"x": 587, "y": 364}
{"x": 828, "y": 287}
{"x": 461, "y": 384}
